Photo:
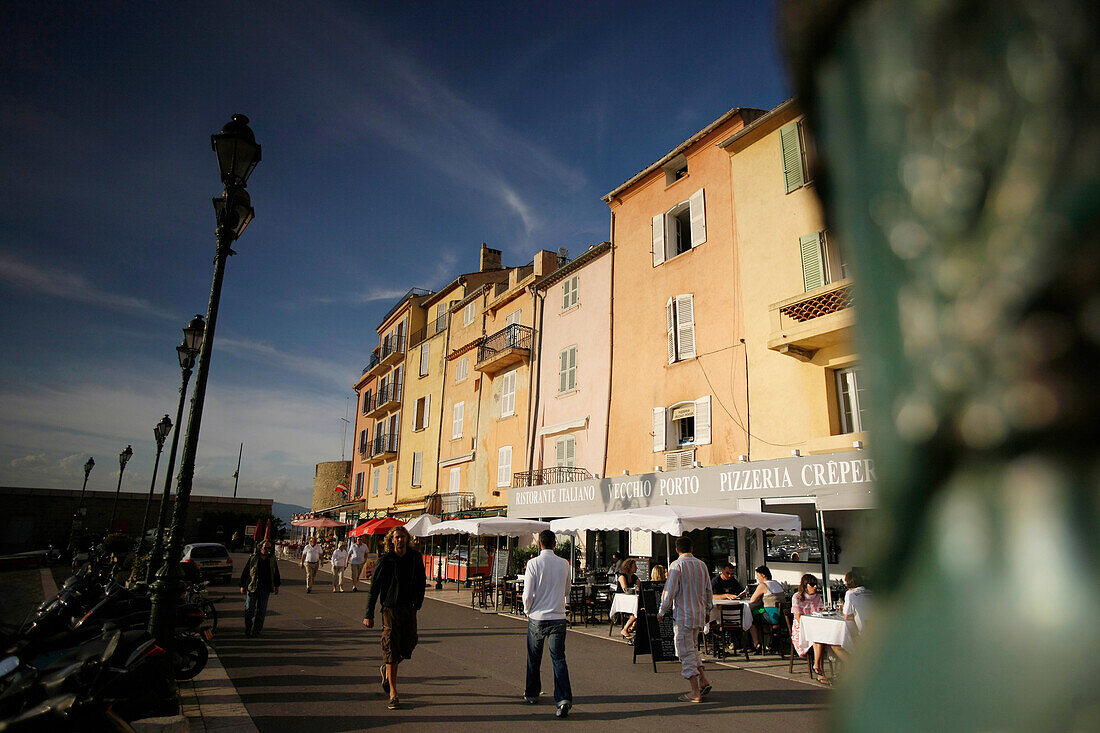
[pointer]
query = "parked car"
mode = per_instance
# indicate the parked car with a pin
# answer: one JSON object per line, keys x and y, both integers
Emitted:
{"x": 212, "y": 560}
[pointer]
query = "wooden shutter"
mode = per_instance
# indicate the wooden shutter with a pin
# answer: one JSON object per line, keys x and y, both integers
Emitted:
{"x": 685, "y": 326}
{"x": 670, "y": 326}
{"x": 456, "y": 421}
{"x": 813, "y": 265}
{"x": 698, "y": 218}
{"x": 508, "y": 394}
{"x": 425, "y": 359}
{"x": 565, "y": 452}
{"x": 563, "y": 372}
{"x": 793, "y": 172}
{"x": 427, "y": 410}
{"x": 504, "y": 466}
{"x": 389, "y": 479}
{"x": 374, "y": 484}
{"x": 418, "y": 468}
{"x": 658, "y": 239}
{"x": 658, "y": 429}
{"x": 702, "y": 421}
{"x": 456, "y": 479}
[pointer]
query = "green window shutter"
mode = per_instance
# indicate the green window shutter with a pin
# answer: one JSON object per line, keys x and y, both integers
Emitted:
{"x": 791, "y": 144}
{"x": 813, "y": 266}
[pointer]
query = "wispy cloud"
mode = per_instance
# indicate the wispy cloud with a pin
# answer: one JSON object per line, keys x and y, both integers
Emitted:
{"x": 327, "y": 371}
{"x": 56, "y": 283}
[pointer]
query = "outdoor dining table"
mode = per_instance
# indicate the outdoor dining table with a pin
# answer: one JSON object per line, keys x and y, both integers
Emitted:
{"x": 827, "y": 629}
{"x": 746, "y": 612}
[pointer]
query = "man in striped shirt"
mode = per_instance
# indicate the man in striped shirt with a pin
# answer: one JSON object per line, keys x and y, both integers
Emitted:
{"x": 688, "y": 592}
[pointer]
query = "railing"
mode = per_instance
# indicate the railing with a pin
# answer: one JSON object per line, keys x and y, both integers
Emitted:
{"x": 452, "y": 503}
{"x": 386, "y": 393}
{"x": 552, "y": 475}
{"x": 820, "y": 304}
{"x": 513, "y": 336}
{"x": 394, "y": 346}
{"x": 384, "y": 443}
{"x": 412, "y": 293}
{"x": 433, "y": 327}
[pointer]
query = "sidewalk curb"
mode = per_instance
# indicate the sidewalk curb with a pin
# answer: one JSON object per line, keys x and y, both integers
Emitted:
{"x": 224, "y": 716}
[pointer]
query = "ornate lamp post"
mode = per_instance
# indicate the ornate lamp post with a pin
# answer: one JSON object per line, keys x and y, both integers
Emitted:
{"x": 160, "y": 432}
{"x": 238, "y": 153}
{"x": 78, "y": 515}
{"x": 188, "y": 351}
{"x": 123, "y": 459}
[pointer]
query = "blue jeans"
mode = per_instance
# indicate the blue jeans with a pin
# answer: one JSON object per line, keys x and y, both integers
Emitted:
{"x": 537, "y": 633}
{"x": 255, "y": 608}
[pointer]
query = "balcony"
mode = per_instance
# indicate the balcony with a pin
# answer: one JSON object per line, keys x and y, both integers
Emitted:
{"x": 388, "y": 398}
{"x": 383, "y": 448}
{"x": 806, "y": 323}
{"x": 449, "y": 504}
{"x": 552, "y": 475}
{"x": 389, "y": 354}
{"x": 433, "y": 327}
{"x": 508, "y": 346}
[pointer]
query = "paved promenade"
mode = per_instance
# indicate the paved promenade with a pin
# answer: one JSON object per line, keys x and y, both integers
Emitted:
{"x": 315, "y": 669}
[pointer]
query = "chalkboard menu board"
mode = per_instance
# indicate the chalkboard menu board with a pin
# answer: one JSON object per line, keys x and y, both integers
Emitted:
{"x": 500, "y": 564}
{"x": 653, "y": 638}
{"x": 643, "y": 567}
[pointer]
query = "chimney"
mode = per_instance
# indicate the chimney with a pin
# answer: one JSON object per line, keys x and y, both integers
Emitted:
{"x": 545, "y": 262}
{"x": 490, "y": 258}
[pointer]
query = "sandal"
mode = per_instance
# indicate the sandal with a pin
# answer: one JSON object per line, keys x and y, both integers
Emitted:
{"x": 705, "y": 691}
{"x": 686, "y": 697}
{"x": 820, "y": 676}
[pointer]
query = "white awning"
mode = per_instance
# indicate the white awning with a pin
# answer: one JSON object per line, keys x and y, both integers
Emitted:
{"x": 489, "y": 526}
{"x": 676, "y": 520}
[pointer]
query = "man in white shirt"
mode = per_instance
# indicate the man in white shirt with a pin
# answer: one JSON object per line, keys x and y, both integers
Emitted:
{"x": 856, "y": 599}
{"x": 339, "y": 562}
{"x": 311, "y": 560}
{"x": 357, "y": 555}
{"x": 545, "y": 591}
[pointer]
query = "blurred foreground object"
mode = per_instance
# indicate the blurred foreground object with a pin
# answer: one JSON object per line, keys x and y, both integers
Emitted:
{"x": 958, "y": 145}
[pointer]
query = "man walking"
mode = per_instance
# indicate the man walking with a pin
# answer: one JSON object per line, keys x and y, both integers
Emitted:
{"x": 688, "y": 592}
{"x": 311, "y": 560}
{"x": 398, "y": 582}
{"x": 545, "y": 591}
{"x": 259, "y": 579}
{"x": 357, "y": 555}
{"x": 339, "y": 565}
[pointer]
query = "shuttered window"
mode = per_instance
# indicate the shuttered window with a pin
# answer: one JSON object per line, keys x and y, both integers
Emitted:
{"x": 659, "y": 237}
{"x": 570, "y": 290}
{"x": 504, "y": 466}
{"x": 679, "y": 229}
{"x": 389, "y": 478}
{"x": 698, "y": 219}
{"x": 425, "y": 359}
{"x": 514, "y": 317}
{"x": 659, "y": 429}
{"x": 456, "y": 479}
{"x": 418, "y": 468}
{"x": 566, "y": 452}
{"x": 456, "y": 420}
{"x": 508, "y": 394}
{"x": 420, "y": 418}
{"x": 374, "y": 484}
{"x": 358, "y": 484}
{"x": 679, "y": 459}
{"x": 462, "y": 368}
{"x": 567, "y": 370}
{"x": 813, "y": 261}
{"x": 702, "y": 421}
{"x": 794, "y": 165}
{"x": 366, "y": 402}
{"x": 468, "y": 314}
{"x": 680, "y": 327}
{"x": 363, "y": 441}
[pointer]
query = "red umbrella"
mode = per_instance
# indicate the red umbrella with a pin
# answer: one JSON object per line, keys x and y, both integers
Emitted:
{"x": 267, "y": 532}
{"x": 381, "y": 525}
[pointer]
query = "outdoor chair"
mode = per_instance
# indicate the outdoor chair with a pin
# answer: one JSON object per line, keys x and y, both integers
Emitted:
{"x": 729, "y": 631}
{"x": 780, "y": 633}
{"x": 600, "y": 602}
{"x": 577, "y": 605}
{"x": 481, "y": 592}
{"x": 789, "y": 618}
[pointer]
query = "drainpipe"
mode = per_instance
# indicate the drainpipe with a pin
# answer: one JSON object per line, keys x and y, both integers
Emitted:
{"x": 536, "y": 367}
{"x": 610, "y": 349}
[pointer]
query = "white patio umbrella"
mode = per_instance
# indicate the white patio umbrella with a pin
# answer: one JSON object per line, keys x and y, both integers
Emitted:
{"x": 488, "y": 526}
{"x": 419, "y": 526}
{"x": 676, "y": 520}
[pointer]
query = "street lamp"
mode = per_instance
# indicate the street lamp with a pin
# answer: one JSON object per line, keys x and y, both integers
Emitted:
{"x": 187, "y": 351}
{"x": 79, "y": 514}
{"x": 123, "y": 459}
{"x": 160, "y": 432}
{"x": 238, "y": 153}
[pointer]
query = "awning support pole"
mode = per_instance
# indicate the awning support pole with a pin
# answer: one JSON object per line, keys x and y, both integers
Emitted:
{"x": 824, "y": 556}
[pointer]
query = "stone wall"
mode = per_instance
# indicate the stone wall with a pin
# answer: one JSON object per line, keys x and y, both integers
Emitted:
{"x": 325, "y": 478}
{"x": 33, "y": 518}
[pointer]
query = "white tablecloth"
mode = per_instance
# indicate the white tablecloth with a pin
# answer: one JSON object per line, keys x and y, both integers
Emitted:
{"x": 746, "y": 614}
{"x": 624, "y": 603}
{"x": 827, "y": 630}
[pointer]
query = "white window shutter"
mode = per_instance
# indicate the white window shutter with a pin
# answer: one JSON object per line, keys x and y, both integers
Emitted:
{"x": 427, "y": 410}
{"x": 658, "y": 429}
{"x": 559, "y": 452}
{"x": 425, "y": 359}
{"x": 563, "y": 372}
{"x": 685, "y": 326}
{"x": 658, "y": 239}
{"x": 670, "y": 326}
{"x": 504, "y": 466}
{"x": 571, "y": 452}
{"x": 418, "y": 468}
{"x": 702, "y": 421}
{"x": 456, "y": 479}
{"x": 698, "y": 218}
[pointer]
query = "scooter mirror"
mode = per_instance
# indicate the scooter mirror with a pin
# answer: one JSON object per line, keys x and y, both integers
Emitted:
{"x": 8, "y": 665}
{"x": 112, "y": 645}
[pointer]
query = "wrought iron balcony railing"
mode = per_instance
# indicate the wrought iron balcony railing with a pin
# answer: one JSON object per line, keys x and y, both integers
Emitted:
{"x": 386, "y": 393}
{"x": 513, "y": 336}
{"x": 552, "y": 475}
{"x": 433, "y": 327}
{"x": 383, "y": 444}
{"x": 443, "y": 504}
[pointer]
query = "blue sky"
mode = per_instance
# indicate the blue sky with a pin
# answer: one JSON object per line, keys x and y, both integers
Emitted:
{"x": 397, "y": 136}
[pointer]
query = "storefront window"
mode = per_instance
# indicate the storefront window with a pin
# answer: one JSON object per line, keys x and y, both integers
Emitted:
{"x": 804, "y": 546}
